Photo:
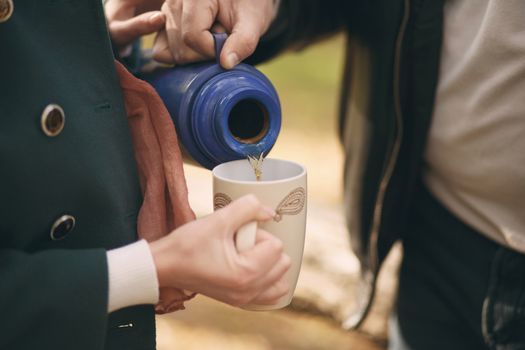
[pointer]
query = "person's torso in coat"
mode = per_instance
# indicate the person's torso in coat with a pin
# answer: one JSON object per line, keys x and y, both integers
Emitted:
{"x": 55, "y": 57}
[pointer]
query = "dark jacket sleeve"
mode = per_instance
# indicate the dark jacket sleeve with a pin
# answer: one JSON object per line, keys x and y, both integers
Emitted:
{"x": 302, "y": 22}
{"x": 55, "y": 299}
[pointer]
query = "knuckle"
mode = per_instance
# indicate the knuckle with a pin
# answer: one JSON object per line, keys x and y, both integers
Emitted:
{"x": 181, "y": 54}
{"x": 143, "y": 22}
{"x": 249, "y": 40}
{"x": 174, "y": 6}
{"x": 161, "y": 56}
{"x": 240, "y": 284}
{"x": 190, "y": 38}
{"x": 277, "y": 245}
{"x": 283, "y": 288}
{"x": 287, "y": 262}
{"x": 156, "y": 51}
{"x": 233, "y": 298}
{"x": 221, "y": 219}
{"x": 245, "y": 278}
{"x": 180, "y": 57}
{"x": 251, "y": 201}
{"x": 239, "y": 299}
{"x": 243, "y": 281}
{"x": 244, "y": 299}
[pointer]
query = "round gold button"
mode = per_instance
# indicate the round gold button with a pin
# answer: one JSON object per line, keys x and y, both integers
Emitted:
{"x": 6, "y": 10}
{"x": 61, "y": 227}
{"x": 52, "y": 120}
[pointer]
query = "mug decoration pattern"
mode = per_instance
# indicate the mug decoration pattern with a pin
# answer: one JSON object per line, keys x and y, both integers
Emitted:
{"x": 292, "y": 204}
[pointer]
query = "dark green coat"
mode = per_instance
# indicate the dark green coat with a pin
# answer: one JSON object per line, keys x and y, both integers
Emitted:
{"x": 53, "y": 293}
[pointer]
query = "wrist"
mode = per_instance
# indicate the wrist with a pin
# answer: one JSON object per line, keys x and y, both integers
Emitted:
{"x": 166, "y": 256}
{"x": 157, "y": 249}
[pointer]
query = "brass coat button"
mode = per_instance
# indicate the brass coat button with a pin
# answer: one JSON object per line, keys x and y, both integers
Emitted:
{"x": 61, "y": 227}
{"x": 52, "y": 120}
{"x": 6, "y": 10}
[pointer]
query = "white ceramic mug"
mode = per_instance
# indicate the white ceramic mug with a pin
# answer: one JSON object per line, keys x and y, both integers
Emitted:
{"x": 281, "y": 187}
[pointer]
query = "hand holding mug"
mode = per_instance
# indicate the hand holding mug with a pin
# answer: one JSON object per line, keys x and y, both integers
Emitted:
{"x": 201, "y": 257}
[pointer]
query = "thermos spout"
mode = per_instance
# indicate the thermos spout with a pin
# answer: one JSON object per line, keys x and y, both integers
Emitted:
{"x": 248, "y": 121}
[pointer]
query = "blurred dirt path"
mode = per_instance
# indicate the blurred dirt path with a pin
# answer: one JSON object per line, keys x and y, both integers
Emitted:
{"x": 209, "y": 325}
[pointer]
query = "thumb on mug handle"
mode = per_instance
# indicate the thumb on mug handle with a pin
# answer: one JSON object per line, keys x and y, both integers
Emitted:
{"x": 245, "y": 237}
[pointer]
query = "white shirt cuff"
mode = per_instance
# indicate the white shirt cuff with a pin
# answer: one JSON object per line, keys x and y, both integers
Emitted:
{"x": 132, "y": 276}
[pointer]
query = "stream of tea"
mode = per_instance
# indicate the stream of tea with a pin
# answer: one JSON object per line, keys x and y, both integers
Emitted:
{"x": 256, "y": 164}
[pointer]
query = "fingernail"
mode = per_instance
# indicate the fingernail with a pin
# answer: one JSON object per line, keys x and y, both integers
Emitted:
{"x": 156, "y": 17}
{"x": 159, "y": 309}
{"x": 232, "y": 60}
{"x": 269, "y": 211}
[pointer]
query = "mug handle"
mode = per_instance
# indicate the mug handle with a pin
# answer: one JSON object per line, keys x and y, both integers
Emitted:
{"x": 245, "y": 236}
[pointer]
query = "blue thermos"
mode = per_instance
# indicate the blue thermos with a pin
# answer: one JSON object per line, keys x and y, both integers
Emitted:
{"x": 220, "y": 115}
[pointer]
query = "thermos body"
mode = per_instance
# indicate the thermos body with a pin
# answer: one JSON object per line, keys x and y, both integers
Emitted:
{"x": 220, "y": 115}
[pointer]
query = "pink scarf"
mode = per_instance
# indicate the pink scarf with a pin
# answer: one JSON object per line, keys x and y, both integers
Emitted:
{"x": 159, "y": 162}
